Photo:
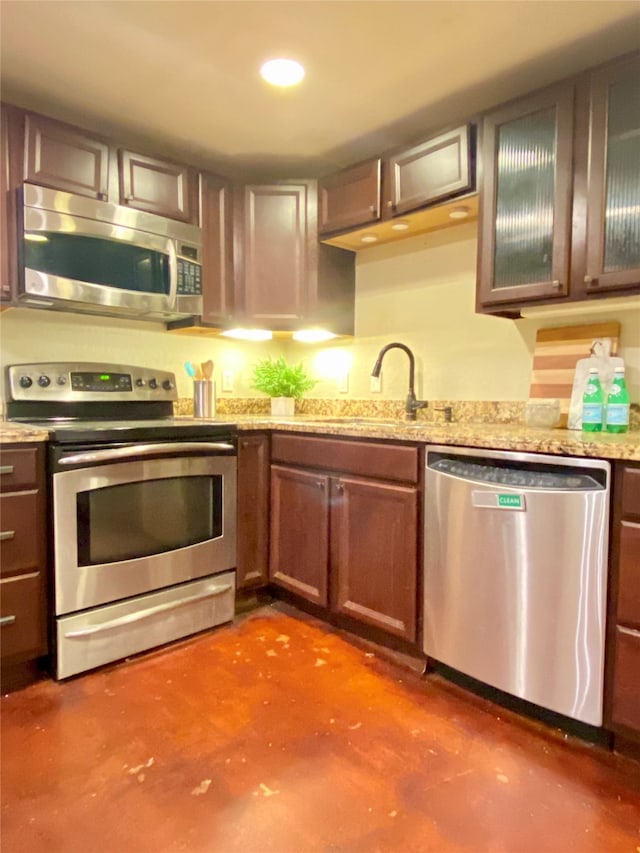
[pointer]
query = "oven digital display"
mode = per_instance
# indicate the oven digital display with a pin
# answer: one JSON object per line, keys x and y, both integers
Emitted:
{"x": 101, "y": 381}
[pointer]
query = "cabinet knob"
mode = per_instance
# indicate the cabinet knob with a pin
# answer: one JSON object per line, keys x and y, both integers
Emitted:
{"x": 102, "y": 196}
{"x": 372, "y": 208}
{"x": 339, "y": 487}
{"x": 588, "y": 279}
{"x": 389, "y": 204}
{"x": 128, "y": 198}
{"x": 320, "y": 484}
{"x": 556, "y": 284}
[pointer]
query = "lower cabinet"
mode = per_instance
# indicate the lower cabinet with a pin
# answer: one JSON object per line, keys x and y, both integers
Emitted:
{"x": 23, "y": 581}
{"x": 253, "y": 511}
{"x": 624, "y": 615}
{"x": 347, "y": 539}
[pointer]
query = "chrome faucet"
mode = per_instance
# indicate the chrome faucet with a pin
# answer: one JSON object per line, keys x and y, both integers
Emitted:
{"x": 412, "y": 405}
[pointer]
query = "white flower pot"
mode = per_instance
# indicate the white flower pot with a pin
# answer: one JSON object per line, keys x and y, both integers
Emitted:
{"x": 283, "y": 406}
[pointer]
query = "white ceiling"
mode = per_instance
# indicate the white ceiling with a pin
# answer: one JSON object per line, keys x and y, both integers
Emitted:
{"x": 181, "y": 77}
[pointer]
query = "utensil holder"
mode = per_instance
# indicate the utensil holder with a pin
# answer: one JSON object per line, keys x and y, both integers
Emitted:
{"x": 204, "y": 398}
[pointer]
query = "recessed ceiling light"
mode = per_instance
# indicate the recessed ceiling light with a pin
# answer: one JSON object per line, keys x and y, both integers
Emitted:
{"x": 459, "y": 213}
{"x": 248, "y": 334}
{"x": 36, "y": 238}
{"x": 369, "y": 238}
{"x": 400, "y": 225}
{"x": 282, "y": 72}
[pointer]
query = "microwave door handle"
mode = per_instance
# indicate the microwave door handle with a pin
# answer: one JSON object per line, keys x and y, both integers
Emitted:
{"x": 173, "y": 275}
{"x": 113, "y": 454}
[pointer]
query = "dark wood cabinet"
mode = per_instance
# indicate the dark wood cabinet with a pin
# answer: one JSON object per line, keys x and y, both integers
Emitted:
{"x": 423, "y": 174}
{"x": 402, "y": 181}
{"x": 299, "y": 558}
{"x": 623, "y": 693}
{"x": 65, "y": 158}
{"x": 350, "y": 198}
{"x": 217, "y": 249}
{"x": 284, "y": 278}
{"x": 23, "y": 559}
{"x": 158, "y": 186}
{"x": 374, "y": 527}
{"x": 344, "y": 528}
{"x": 253, "y": 511}
{"x": 11, "y": 176}
{"x": 560, "y": 192}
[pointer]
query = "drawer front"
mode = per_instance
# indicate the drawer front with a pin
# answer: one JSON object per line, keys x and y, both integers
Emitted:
{"x": 625, "y": 707}
{"x": 367, "y": 459}
{"x": 19, "y": 538}
{"x": 629, "y": 586}
{"x": 631, "y": 492}
{"x": 18, "y": 469}
{"x": 23, "y": 633}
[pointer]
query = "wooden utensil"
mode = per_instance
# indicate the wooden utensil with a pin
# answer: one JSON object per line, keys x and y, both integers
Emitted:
{"x": 207, "y": 369}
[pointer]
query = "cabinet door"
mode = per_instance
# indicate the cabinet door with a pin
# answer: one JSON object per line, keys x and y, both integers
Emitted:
{"x": 613, "y": 201}
{"x": 350, "y": 198}
{"x": 65, "y": 158}
{"x": 157, "y": 186}
{"x": 525, "y": 207}
{"x": 625, "y": 703}
{"x": 5, "y": 264}
{"x": 253, "y": 511}
{"x": 374, "y": 553}
{"x": 217, "y": 249}
{"x": 299, "y": 558}
{"x": 274, "y": 253}
{"x": 427, "y": 172}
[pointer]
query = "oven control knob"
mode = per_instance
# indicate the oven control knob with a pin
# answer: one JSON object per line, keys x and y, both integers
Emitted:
{"x": 62, "y": 380}
{"x": 167, "y": 385}
{"x": 140, "y": 383}
{"x": 44, "y": 381}
{"x": 25, "y": 382}
{"x": 153, "y": 383}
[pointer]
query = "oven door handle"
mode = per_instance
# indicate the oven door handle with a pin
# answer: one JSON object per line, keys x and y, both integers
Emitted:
{"x": 161, "y": 449}
{"x": 130, "y": 618}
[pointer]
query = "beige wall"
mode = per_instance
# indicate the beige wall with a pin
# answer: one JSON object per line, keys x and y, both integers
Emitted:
{"x": 419, "y": 291}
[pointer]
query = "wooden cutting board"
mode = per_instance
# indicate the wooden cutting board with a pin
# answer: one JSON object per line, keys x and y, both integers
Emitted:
{"x": 555, "y": 356}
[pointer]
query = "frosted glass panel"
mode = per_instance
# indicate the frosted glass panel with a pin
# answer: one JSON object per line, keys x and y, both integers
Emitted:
{"x": 622, "y": 208}
{"x": 525, "y": 194}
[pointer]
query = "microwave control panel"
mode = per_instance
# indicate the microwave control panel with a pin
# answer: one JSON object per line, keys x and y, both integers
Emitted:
{"x": 189, "y": 278}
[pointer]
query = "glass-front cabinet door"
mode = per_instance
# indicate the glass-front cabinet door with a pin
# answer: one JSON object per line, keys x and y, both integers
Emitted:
{"x": 613, "y": 203}
{"x": 525, "y": 230}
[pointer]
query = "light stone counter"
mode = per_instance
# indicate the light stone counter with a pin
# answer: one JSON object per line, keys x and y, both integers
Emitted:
{"x": 515, "y": 437}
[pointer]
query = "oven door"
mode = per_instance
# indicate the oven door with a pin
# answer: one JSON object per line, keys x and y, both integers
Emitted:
{"x": 149, "y": 519}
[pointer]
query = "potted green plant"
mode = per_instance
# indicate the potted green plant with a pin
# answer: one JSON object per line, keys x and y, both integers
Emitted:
{"x": 284, "y": 383}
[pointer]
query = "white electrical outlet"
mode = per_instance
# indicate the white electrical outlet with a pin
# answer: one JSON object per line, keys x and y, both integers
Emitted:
{"x": 343, "y": 382}
{"x": 375, "y": 384}
{"x": 227, "y": 380}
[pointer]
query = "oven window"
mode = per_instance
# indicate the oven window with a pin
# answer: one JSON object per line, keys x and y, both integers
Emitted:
{"x": 96, "y": 260}
{"x": 150, "y": 517}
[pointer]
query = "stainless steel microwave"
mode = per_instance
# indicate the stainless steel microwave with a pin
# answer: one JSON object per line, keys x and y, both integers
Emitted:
{"x": 80, "y": 254}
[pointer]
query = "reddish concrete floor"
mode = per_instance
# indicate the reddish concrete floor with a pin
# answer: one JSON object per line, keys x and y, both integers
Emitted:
{"x": 279, "y": 735}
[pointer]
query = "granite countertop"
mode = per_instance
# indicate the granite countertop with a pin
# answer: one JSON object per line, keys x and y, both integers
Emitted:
{"x": 516, "y": 437}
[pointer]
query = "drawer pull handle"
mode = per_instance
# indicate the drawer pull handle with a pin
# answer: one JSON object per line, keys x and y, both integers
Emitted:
{"x": 7, "y": 620}
{"x": 7, "y": 534}
{"x": 130, "y": 618}
{"x": 6, "y": 469}
{"x": 630, "y": 631}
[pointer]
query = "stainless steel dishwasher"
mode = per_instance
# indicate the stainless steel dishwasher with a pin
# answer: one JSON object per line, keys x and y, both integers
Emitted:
{"x": 516, "y": 572}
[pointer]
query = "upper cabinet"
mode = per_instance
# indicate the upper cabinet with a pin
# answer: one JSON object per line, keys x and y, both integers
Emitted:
{"x": 217, "y": 249}
{"x": 284, "y": 278}
{"x": 158, "y": 186}
{"x": 67, "y": 158}
{"x": 401, "y": 182}
{"x": 560, "y": 192}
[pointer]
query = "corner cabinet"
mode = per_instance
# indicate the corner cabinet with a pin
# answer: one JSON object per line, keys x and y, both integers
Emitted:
{"x": 344, "y": 528}
{"x": 560, "y": 192}
{"x": 624, "y": 615}
{"x": 23, "y": 562}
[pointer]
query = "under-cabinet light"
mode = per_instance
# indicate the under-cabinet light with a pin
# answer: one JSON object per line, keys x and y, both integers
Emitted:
{"x": 400, "y": 225}
{"x": 248, "y": 334}
{"x": 369, "y": 238}
{"x": 36, "y": 238}
{"x": 459, "y": 212}
{"x": 312, "y": 336}
{"x": 282, "y": 72}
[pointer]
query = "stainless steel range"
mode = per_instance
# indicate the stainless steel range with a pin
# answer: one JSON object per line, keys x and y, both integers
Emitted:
{"x": 143, "y": 509}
